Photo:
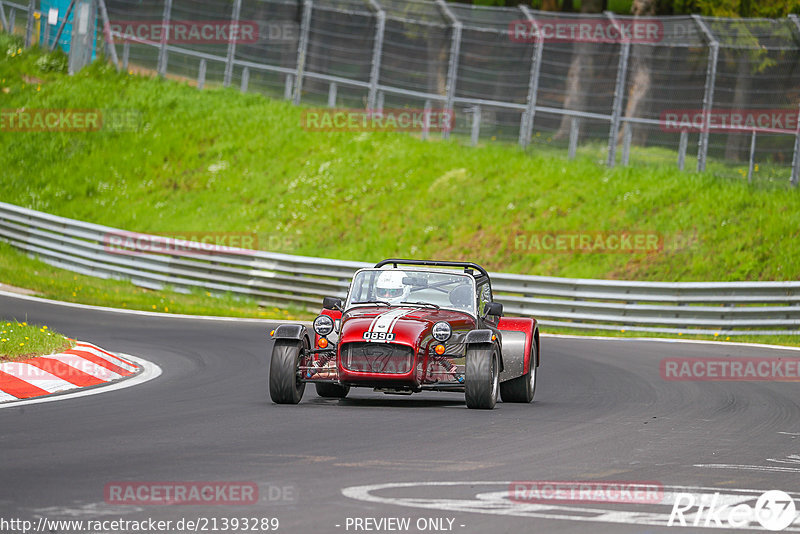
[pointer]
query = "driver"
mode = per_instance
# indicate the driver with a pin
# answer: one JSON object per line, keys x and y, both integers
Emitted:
{"x": 390, "y": 287}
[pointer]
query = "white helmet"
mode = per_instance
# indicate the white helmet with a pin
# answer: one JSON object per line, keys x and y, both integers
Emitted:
{"x": 390, "y": 287}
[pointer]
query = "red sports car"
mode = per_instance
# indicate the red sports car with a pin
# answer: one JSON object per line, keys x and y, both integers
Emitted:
{"x": 408, "y": 326}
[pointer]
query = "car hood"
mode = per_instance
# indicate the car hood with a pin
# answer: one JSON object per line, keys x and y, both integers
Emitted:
{"x": 407, "y": 325}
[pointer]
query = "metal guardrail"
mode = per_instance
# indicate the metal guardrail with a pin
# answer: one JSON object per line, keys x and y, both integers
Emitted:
{"x": 724, "y": 308}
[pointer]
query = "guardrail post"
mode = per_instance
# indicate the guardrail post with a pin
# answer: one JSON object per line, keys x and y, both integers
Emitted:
{"x": 627, "y": 134}
{"x": 708, "y": 95}
{"x": 796, "y": 157}
{"x": 619, "y": 93}
{"x": 302, "y": 49}
{"x": 29, "y": 23}
{"x": 201, "y": 74}
{"x": 573, "y": 138}
{"x": 287, "y": 87}
{"x": 682, "y": 144}
{"x": 112, "y": 48}
{"x": 332, "y": 95}
{"x": 245, "y": 79}
{"x": 234, "y": 31}
{"x": 165, "y": 32}
{"x": 3, "y": 20}
{"x": 377, "y": 52}
{"x": 476, "y": 126}
{"x": 126, "y": 53}
{"x": 752, "y": 157}
{"x": 452, "y": 67}
{"x": 526, "y": 124}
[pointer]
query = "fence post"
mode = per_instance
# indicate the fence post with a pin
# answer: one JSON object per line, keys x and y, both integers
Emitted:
{"x": 526, "y": 124}
{"x": 708, "y": 95}
{"x": 619, "y": 93}
{"x": 3, "y": 21}
{"x": 12, "y": 20}
{"x": 165, "y": 31}
{"x": 573, "y": 138}
{"x": 245, "y": 79}
{"x": 627, "y": 134}
{"x": 452, "y": 67}
{"x": 332, "y": 95}
{"x": 752, "y": 157}
{"x": 377, "y": 51}
{"x": 682, "y": 144}
{"x": 107, "y": 33}
{"x": 201, "y": 74}
{"x": 426, "y": 120}
{"x": 126, "y": 53}
{"x": 237, "y": 9}
{"x": 796, "y": 158}
{"x": 476, "y": 125}
{"x": 287, "y": 87}
{"x": 302, "y": 49}
{"x": 379, "y": 101}
{"x": 29, "y": 23}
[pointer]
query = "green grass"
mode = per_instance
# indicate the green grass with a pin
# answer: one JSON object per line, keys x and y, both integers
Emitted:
{"x": 217, "y": 160}
{"x": 20, "y": 340}
{"x": 221, "y": 161}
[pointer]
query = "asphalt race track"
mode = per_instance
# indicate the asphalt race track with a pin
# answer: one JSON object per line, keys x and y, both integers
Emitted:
{"x": 602, "y": 411}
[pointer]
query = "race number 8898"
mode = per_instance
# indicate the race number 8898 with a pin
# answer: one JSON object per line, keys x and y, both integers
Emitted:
{"x": 378, "y": 336}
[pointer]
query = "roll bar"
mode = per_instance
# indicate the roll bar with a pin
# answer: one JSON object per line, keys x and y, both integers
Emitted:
{"x": 433, "y": 263}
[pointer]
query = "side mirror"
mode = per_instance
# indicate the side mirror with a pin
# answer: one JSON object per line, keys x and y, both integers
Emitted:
{"x": 332, "y": 303}
{"x": 494, "y": 308}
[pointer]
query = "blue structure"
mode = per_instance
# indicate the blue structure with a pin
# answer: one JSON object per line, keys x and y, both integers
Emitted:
{"x": 48, "y": 31}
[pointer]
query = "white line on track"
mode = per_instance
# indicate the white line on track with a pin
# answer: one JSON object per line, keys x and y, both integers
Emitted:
{"x": 500, "y": 503}
{"x": 765, "y": 468}
{"x": 149, "y": 372}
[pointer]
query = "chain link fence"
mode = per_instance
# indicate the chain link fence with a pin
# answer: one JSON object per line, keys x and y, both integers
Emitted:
{"x": 701, "y": 93}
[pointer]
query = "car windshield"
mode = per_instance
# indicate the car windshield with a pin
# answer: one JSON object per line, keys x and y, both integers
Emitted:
{"x": 399, "y": 287}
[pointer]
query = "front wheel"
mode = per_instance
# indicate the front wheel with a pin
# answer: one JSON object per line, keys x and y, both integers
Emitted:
{"x": 522, "y": 388}
{"x": 285, "y": 386}
{"x": 482, "y": 377}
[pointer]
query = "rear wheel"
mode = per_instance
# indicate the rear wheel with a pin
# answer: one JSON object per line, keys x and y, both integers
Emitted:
{"x": 522, "y": 388}
{"x": 285, "y": 386}
{"x": 332, "y": 391}
{"x": 482, "y": 377}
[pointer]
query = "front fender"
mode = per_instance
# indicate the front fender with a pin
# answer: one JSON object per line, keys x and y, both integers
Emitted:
{"x": 484, "y": 336}
{"x": 291, "y": 331}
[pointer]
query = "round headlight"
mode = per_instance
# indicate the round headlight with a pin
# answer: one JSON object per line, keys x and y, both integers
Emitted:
{"x": 441, "y": 331}
{"x": 323, "y": 325}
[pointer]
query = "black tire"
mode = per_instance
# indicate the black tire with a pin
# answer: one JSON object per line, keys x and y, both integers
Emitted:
{"x": 482, "y": 377}
{"x": 332, "y": 391}
{"x": 522, "y": 388}
{"x": 285, "y": 386}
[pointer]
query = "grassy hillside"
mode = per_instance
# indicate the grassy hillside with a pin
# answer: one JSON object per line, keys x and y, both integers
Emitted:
{"x": 217, "y": 160}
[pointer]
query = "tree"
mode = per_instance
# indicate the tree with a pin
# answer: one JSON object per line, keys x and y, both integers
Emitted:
{"x": 581, "y": 69}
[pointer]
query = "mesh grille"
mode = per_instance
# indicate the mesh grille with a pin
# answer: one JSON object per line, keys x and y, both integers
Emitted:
{"x": 386, "y": 358}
